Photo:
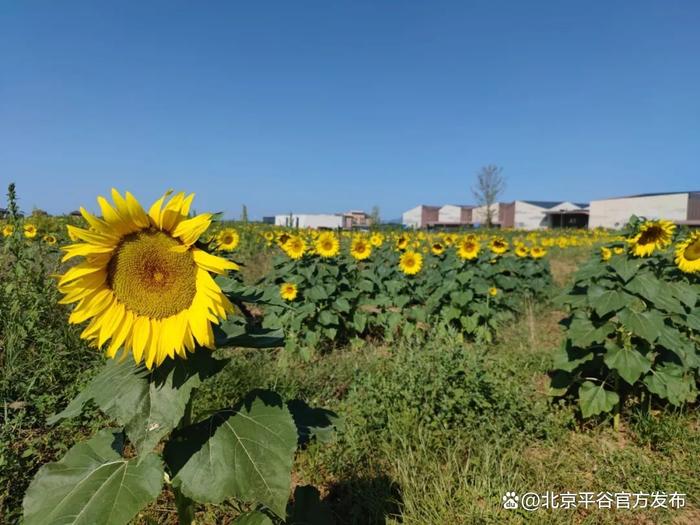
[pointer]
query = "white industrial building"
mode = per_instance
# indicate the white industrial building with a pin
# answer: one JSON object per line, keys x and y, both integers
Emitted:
{"x": 681, "y": 208}
{"x": 533, "y": 215}
{"x": 310, "y": 220}
{"x": 420, "y": 216}
{"x": 455, "y": 214}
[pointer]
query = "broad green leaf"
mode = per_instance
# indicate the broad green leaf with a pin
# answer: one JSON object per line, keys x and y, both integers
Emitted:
{"x": 655, "y": 291}
{"x": 628, "y": 362}
{"x": 328, "y": 318}
{"x": 148, "y": 404}
{"x": 583, "y": 333}
{"x": 317, "y": 293}
{"x": 684, "y": 293}
{"x": 342, "y": 305}
{"x": 93, "y": 485}
{"x": 605, "y": 301}
{"x": 244, "y": 453}
{"x": 233, "y": 333}
{"x": 669, "y": 382}
{"x": 625, "y": 268}
{"x": 594, "y": 399}
{"x": 647, "y": 325}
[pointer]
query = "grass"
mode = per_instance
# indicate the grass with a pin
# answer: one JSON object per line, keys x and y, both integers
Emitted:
{"x": 435, "y": 430}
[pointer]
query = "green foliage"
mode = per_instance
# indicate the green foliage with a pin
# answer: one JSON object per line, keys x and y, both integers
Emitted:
{"x": 93, "y": 483}
{"x": 341, "y": 299}
{"x": 631, "y": 333}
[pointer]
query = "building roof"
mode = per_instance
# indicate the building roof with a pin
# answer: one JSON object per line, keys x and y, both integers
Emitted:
{"x": 468, "y": 206}
{"x": 658, "y": 194}
{"x": 545, "y": 204}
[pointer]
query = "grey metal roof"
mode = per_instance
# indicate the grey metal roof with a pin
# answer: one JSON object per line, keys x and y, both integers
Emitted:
{"x": 544, "y": 204}
{"x": 658, "y": 194}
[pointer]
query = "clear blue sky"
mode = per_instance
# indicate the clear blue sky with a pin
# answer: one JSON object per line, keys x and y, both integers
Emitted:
{"x": 325, "y": 106}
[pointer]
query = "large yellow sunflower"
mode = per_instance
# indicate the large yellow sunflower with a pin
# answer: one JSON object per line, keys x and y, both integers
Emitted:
{"x": 376, "y": 239}
{"x": 327, "y": 245}
{"x": 498, "y": 245}
{"x": 8, "y": 230}
{"x": 411, "y": 262}
{"x": 144, "y": 285}
{"x": 521, "y": 250}
{"x": 688, "y": 253}
{"x": 652, "y": 235}
{"x": 360, "y": 248}
{"x": 50, "y": 240}
{"x": 228, "y": 239}
{"x": 437, "y": 248}
{"x": 605, "y": 253}
{"x": 294, "y": 247}
{"x": 30, "y": 231}
{"x": 537, "y": 252}
{"x": 468, "y": 249}
{"x": 288, "y": 291}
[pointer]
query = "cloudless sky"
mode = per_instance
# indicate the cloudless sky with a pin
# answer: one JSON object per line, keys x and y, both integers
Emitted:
{"x": 328, "y": 105}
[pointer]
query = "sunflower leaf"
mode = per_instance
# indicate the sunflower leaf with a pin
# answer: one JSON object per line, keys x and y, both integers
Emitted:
{"x": 148, "y": 405}
{"x": 93, "y": 485}
{"x": 244, "y": 453}
{"x": 594, "y": 399}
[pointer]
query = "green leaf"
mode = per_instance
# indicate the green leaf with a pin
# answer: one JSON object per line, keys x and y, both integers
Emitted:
{"x": 656, "y": 292}
{"x": 244, "y": 453}
{"x": 628, "y": 362}
{"x": 594, "y": 399}
{"x": 606, "y": 301}
{"x": 669, "y": 382}
{"x": 342, "y": 305}
{"x": 149, "y": 405}
{"x": 328, "y": 318}
{"x": 684, "y": 293}
{"x": 93, "y": 485}
{"x": 317, "y": 293}
{"x": 625, "y": 268}
{"x": 647, "y": 325}
{"x": 583, "y": 333}
{"x": 233, "y": 333}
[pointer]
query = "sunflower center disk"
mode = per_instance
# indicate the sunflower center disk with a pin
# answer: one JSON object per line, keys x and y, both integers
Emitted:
{"x": 653, "y": 234}
{"x": 692, "y": 252}
{"x": 149, "y": 278}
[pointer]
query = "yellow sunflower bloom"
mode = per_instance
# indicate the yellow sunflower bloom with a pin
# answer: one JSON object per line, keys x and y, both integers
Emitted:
{"x": 294, "y": 247}
{"x": 143, "y": 283}
{"x": 228, "y": 239}
{"x": 411, "y": 263}
{"x": 437, "y": 248}
{"x": 537, "y": 252}
{"x": 376, "y": 240}
{"x": 50, "y": 240}
{"x": 402, "y": 242}
{"x": 493, "y": 291}
{"x": 652, "y": 235}
{"x": 8, "y": 230}
{"x": 498, "y": 245}
{"x": 605, "y": 253}
{"x": 468, "y": 249}
{"x": 288, "y": 291}
{"x": 360, "y": 248}
{"x": 521, "y": 250}
{"x": 688, "y": 253}
{"x": 30, "y": 231}
{"x": 618, "y": 250}
{"x": 327, "y": 245}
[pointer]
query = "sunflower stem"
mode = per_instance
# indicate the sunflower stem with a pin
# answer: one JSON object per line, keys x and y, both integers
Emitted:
{"x": 185, "y": 506}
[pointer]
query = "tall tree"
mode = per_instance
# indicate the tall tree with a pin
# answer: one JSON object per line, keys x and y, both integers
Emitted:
{"x": 489, "y": 185}
{"x": 374, "y": 216}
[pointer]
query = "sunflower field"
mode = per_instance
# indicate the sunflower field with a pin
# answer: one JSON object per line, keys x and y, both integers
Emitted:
{"x": 163, "y": 366}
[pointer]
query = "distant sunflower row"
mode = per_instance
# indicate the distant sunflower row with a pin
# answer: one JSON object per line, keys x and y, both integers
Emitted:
{"x": 654, "y": 237}
{"x": 29, "y": 231}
